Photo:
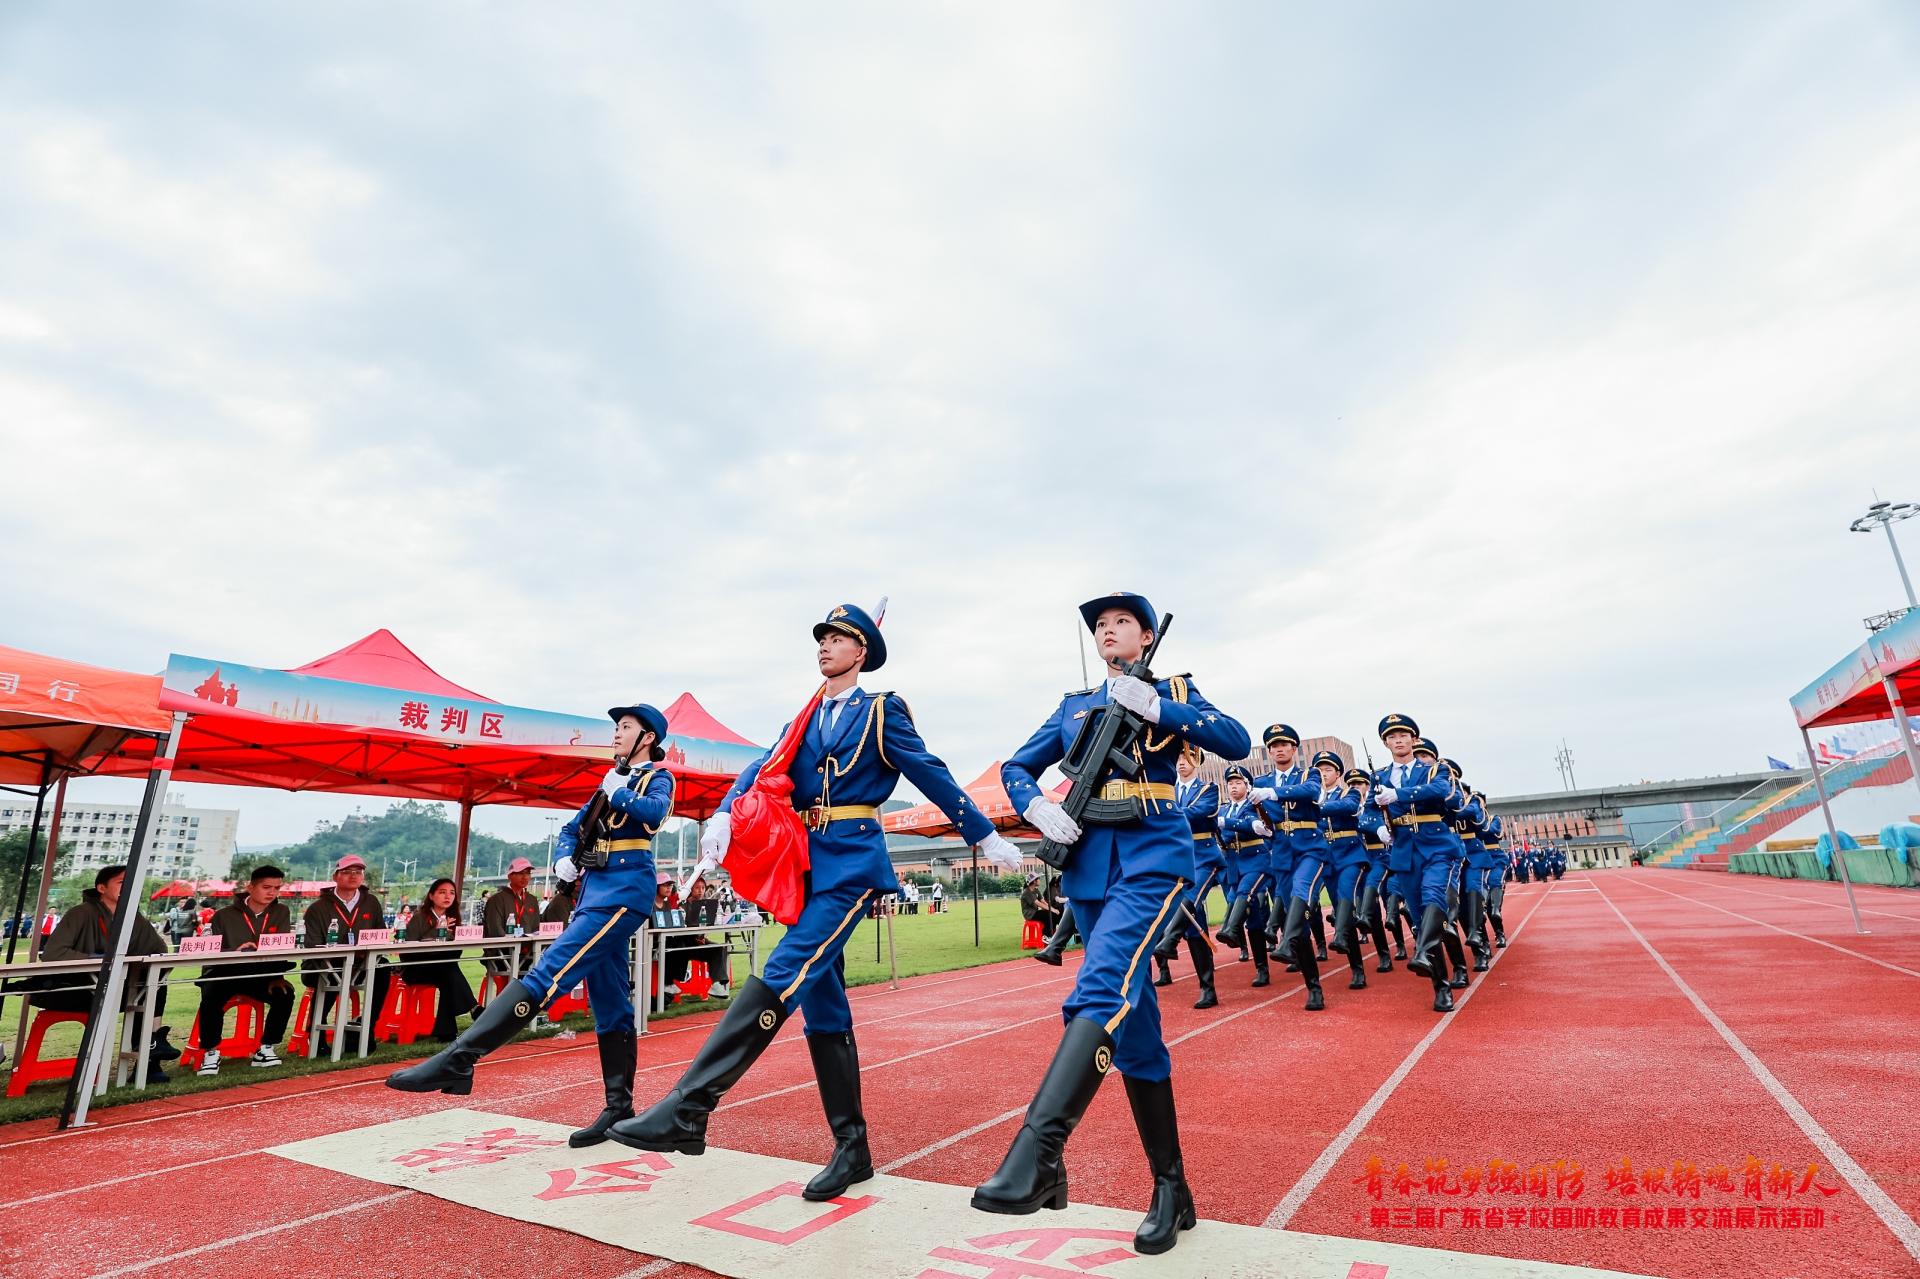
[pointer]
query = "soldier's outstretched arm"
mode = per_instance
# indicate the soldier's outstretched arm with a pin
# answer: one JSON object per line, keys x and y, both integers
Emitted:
{"x": 651, "y": 808}
{"x": 901, "y": 747}
{"x": 1205, "y": 725}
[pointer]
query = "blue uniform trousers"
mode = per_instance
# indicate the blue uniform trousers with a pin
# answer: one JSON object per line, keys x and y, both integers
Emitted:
{"x": 594, "y": 948}
{"x": 1310, "y": 875}
{"x": 1347, "y": 880}
{"x": 1253, "y": 882}
{"x": 1114, "y": 985}
{"x": 1426, "y": 884}
{"x": 1375, "y": 877}
{"x": 804, "y": 969}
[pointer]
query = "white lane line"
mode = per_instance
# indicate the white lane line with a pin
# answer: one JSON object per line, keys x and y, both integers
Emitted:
{"x": 261, "y": 1233}
{"x": 1018, "y": 1111}
{"x": 132, "y": 1176}
{"x": 1798, "y": 900}
{"x": 1784, "y": 931}
{"x": 1889, "y": 1212}
{"x": 1317, "y": 1171}
{"x": 517, "y": 1058}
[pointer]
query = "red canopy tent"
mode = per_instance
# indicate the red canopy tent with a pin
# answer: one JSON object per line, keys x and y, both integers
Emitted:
{"x": 226, "y": 744}
{"x": 1879, "y": 680}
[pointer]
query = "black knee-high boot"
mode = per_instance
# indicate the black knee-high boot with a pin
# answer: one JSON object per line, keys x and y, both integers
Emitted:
{"x": 1343, "y": 929}
{"x": 1396, "y": 911}
{"x": 1318, "y": 918}
{"x": 1163, "y": 976}
{"x": 1294, "y": 942}
{"x": 1171, "y": 1209}
{"x": 1426, "y": 942}
{"x": 1200, "y": 950}
{"x": 1233, "y": 929}
{"x": 836, "y": 1066}
{"x": 1475, "y": 907}
{"x": 1169, "y": 944}
{"x": 619, "y": 1057}
{"x": 1494, "y": 902}
{"x": 1376, "y": 927}
{"x": 1456, "y": 954}
{"x": 1062, "y": 934}
{"x": 1342, "y": 941}
{"x": 1258, "y": 940}
{"x": 678, "y": 1121}
{"x": 451, "y": 1069}
{"x": 1034, "y": 1172}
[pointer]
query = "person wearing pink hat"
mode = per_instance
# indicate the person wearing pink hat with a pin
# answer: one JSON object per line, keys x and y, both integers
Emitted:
{"x": 336, "y": 918}
{"x": 512, "y": 911}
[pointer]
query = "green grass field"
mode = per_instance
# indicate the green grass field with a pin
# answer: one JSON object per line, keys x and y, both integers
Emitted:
{"x": 923, "y": 944}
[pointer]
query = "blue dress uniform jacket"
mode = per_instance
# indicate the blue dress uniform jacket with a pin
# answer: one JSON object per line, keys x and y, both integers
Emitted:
{"x": 1200, "y": 801}
{"x": 614, "y": 903}
{"x": 636, "y": 811}
{"x": 1340, "y": 823}
{"x": 1161, "y": 841}
{"x": 1249, "y": 863}
{"x": 856, "y": 763}
{"x": 1424, "y": 850}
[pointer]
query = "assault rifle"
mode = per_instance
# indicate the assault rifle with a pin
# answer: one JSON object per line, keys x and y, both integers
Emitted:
{"x": 1106, "y": 740}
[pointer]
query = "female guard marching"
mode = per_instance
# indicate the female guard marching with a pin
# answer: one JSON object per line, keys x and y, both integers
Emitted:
{"x": 1124, "y": 880}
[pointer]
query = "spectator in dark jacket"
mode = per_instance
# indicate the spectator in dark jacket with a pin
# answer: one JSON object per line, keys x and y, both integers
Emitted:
{"x": 82, "y": 934}
{"x": 258, "y": 913}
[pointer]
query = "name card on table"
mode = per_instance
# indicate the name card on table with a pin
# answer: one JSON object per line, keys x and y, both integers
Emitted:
{"x": 552, "y": 928}
{"x": 199, "y": 945}
{"x": 467, "y": 932}
{"x": 375, "y": 937}
{"x": 276, "y": 941}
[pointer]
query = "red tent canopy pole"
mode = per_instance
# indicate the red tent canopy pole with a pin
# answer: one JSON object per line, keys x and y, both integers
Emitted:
{"x": 1901, "y": 723}
{"x": 460, "y": 854}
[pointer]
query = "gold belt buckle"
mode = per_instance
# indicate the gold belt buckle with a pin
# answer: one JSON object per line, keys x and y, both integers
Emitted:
{"x": 816, "y": 818}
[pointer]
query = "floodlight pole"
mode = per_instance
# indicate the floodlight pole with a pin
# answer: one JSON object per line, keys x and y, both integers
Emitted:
{"x": 1886, "y": 515}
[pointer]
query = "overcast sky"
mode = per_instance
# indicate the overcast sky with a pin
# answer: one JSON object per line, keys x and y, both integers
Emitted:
{"x": 1518, "y": 367}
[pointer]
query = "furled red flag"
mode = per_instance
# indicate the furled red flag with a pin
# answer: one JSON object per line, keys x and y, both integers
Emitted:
{"x": 767, "y": 855}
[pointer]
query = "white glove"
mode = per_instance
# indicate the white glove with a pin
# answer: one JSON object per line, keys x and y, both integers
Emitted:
{"x": 613, "y": 781}
{"x": 566, "y": 870}
{"x": 1051, "y": 820}
{"x": 1386, "y": 834}
{"x": 1261, "y": 829}
{"x": 1386, "y": 795}
{"x": 1137, "y": 696}
{"x": 719, "y": 833}
{"x": 700, "y": 868}
{"x": 1262, "y": 793}
{"x": 1002, "y": 852}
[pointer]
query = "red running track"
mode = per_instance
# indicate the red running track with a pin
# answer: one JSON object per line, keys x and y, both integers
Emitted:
{"x": 1645, "y": 1015}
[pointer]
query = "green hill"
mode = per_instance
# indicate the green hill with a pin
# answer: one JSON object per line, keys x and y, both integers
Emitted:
{"x": 412, "y": 831}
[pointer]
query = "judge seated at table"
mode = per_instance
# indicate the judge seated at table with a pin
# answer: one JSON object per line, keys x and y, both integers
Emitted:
{"x": 82, "y": 934}
{"x": 257, "y": 913}
{"x": 435, "y": 920}
{"x": 682, "y": 951}
{"x": 337, "y": 917}
{"x": 513, "y": 911}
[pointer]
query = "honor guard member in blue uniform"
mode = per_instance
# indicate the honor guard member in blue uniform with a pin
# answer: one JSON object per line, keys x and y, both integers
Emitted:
{"x": 1371, "y": 824}
{"x": 1470, "y": 824}
{"x": 616, "y": 897}
{"x": 847, "y": 764}
{"x": 1558, "y": 862}
{"x": 1347, "y": 866}
{"x": 1199, "y": 801}
{"x": 1414, "y": 793}
{"x": 1456, "y": 802}
{"x": 1290, "y": 798}
{"x": 1522, "y": 871}
{"x": 1125, "y": 881}
{"x": 1063, "y": 933}
{"x": 1493, "y": 883}
{"x": 1244, "y": 835}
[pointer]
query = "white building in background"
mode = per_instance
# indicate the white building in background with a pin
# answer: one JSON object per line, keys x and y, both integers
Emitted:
{"x": 188, "y": 843}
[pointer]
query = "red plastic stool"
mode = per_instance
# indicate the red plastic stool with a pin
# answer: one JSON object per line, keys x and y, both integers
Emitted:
{"x": 697, "y": 982}
{"x": 1033, "y": 935}
{"x": 574, "y": 1001}
{"x": 409, "y": 1012}
{"x": 298, "y": 1043}
{"x": 248, "y": 1030}
{"x": 491, "y": 985}
{"x": 30, "y": 1068}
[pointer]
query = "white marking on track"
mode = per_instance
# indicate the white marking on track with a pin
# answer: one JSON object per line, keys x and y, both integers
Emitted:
{"x": 1776, "y": 928}
{"x": 1798, "y": 900}
{"x": 261, "y": 1233}
{"x": 1866, "y": 1187}
{"x": 1297, "y": 1195}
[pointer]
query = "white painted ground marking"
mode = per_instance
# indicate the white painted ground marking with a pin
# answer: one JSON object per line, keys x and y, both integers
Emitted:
{"x": 1889, "y": 1212}
{"x": 132, "y": 1176}
{"x": 740, "y": 1214}
{"x": 1776, "y": 928}
{"x": 261, "y": 1233}
{"x": 1798, "y": 900}
{"x": 1317, "y": 1171}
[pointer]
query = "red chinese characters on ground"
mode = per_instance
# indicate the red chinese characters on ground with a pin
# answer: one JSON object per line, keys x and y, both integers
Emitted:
{"x": 1058, "y": 1253}
{"x": 727, "y": 1219}
{"x": 1619, "y": 1201}
{"x": 626, "y": 1176}
{"x": 489, "y": 1147}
